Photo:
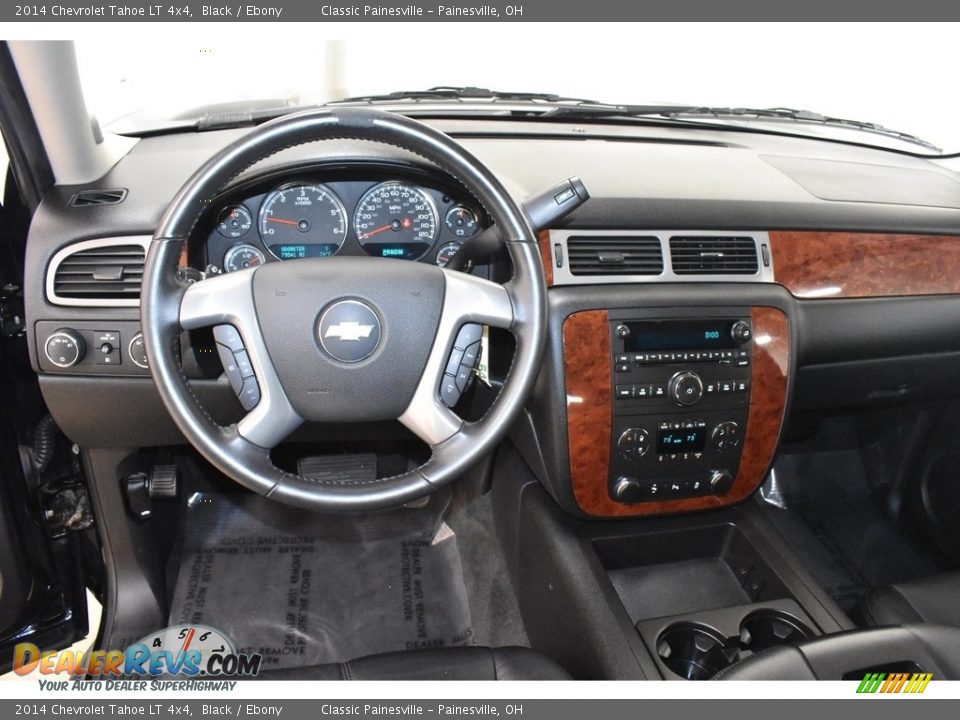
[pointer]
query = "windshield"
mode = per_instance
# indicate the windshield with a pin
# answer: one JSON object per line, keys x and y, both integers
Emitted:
{"x": 139, "y": 84}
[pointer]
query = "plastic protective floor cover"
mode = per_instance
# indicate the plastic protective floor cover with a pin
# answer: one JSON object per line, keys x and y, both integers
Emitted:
{"x": 303, "y": 589}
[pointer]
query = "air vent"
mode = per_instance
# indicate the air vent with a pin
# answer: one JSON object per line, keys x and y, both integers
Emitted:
{"x": 615, "y": 255}
{"x": 88, "y": 198}
{"x": 713, "y": 255}
{"x": 98, "y": 272}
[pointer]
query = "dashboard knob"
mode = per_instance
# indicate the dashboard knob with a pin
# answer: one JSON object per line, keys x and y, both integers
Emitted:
{"x": 623, "y": 331}
{"x": 627, "y": 490}
{"x": 685, "y": 388}
{"x": 741, "y": 332}
{"x": 720, "y": 481}
{"x": 726, "y": 435}
{"x": 65, "y": 348}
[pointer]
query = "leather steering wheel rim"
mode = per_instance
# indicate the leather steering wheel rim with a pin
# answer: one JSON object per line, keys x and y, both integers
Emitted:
{"x": 169, "y": 306}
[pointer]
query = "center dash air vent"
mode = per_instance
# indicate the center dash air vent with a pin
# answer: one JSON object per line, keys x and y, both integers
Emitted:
{"x": 713, "y": 255}
{"x": 98, "y": 272}
{"x": 615, "y": 255}
{"x": 86, "y": 198}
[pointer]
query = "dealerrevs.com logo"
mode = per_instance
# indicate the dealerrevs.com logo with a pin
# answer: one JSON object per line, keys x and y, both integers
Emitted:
{"x": 183, "y": 650}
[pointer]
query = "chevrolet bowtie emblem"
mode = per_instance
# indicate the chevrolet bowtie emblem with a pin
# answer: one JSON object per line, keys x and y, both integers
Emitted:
{"x": 349, "y": 330}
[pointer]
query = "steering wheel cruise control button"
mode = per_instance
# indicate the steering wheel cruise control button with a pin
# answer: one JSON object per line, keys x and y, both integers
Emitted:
{"x": 250, "y": 394}
{"x": 228, "y": 335}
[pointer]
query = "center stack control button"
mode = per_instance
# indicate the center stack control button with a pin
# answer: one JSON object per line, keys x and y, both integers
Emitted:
{"x": 685, "y": 388}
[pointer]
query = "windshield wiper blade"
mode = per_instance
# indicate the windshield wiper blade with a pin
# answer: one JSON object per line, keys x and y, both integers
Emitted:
{"x": 462, "y": 94}
{"x": 803, "y": 116}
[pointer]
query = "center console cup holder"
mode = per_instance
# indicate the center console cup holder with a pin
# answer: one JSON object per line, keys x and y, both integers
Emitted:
{"x": 694, "y": 651}
{"x": 766, "y": 628}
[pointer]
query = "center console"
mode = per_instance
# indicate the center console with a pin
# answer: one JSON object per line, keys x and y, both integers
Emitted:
{"x": 681, "y": 392}
{"x": 672, "y": 409}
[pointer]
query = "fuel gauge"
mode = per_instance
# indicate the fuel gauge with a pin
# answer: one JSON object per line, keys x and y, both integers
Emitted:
{"x": 241, "y": 257}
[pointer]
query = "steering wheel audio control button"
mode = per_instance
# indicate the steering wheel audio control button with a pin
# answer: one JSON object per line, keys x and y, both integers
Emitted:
{"x": 449, "y": 392}
{"x": 456, "y": 359}
{"x": 471, "y": 356}
{"x": 468, "y": 335}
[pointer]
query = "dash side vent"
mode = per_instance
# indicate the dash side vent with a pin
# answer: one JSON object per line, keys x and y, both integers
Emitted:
{"x": 89, "y": 198}
{"x": 713, "y": 255}
{"x": 615, "y": 255}
{"x": 98, "y": 272}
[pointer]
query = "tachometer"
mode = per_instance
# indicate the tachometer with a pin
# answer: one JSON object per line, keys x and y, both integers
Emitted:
{"x": 302, "y": 221}
{"x": 396, "y": 220}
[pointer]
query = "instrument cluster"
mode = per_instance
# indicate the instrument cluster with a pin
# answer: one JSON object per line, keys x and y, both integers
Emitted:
{"x": 389, "y": 218}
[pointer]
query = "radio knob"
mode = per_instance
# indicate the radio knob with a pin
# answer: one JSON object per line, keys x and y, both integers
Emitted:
{"x": 623, "y": 331}
{"x": 627, "y": 490}
{"x": 741, "y": 332}
{"x": 720, "y": 481}
{"x": 65, "y": 348}
{"x": 685, "y": 388}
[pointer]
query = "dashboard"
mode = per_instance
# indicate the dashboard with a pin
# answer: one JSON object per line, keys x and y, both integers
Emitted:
{"x": 852, "y": 299}
{"x": 304, "y": 214}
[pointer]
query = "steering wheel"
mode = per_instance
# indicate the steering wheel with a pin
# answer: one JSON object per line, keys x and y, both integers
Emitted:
{"x": 297, "y": 322}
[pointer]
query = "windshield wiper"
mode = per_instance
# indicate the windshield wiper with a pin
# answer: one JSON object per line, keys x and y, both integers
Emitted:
{"x": 462, "y": 94}
{"x": 682, "y": 112}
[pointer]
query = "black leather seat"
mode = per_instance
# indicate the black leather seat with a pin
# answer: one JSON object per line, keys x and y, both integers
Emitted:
{"x": 462, "y": 663}
{"x": 934, "y": 599}
{"x": 850, "y": 655}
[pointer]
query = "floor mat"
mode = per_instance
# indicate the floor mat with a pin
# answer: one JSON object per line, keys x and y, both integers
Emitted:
{"x": 832, "y": 522}
{"x": 303, "y": 589}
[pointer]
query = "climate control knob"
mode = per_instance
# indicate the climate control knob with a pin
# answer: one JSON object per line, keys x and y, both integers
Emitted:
{"x": 685, "y": 388}
{"x": 65, "y": 348}
{"x": 726, "y": 435}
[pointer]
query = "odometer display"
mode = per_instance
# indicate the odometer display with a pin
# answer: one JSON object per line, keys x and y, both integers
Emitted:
{"x": 396, "y": 220}
{"x": 303, "y": 221}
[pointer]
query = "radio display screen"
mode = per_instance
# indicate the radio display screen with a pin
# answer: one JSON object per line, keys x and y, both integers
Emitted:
{"x": 679, "y": 335}
{"x": 681, "y": 441}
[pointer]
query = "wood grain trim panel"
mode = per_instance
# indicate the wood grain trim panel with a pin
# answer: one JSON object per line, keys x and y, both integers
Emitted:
{"x": 586, "y": 354}
{"x": 544, "y": 241}
{"x": 586, "y": 372}
{"x": 845, "y": 265}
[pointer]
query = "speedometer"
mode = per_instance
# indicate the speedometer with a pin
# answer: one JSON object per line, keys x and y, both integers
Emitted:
{"x": 302, "y": 221}
{"x": 396, "y": 220}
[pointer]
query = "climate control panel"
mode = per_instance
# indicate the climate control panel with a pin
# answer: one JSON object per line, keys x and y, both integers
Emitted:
{"x": 681, "y": 395}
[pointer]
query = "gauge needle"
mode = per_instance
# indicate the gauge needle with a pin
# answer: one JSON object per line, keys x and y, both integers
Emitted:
{"x": 376, "y": 232}
{"x": 407, "y": 222}
{"x": 281, "y": 221}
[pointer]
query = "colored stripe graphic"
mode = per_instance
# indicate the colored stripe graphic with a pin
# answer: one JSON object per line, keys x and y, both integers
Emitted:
{"x": 913, "y": 683}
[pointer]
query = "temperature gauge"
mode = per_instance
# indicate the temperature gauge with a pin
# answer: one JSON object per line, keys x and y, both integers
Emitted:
{"x": 234, "y": 222}
{"x": 241, "y": 257}
{"x": 461, "y": 221}
{"x": 447, "y": 251}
